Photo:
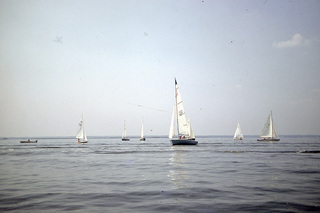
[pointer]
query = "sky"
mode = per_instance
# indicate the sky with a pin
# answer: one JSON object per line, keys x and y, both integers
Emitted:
{"x": 115, "y": 61}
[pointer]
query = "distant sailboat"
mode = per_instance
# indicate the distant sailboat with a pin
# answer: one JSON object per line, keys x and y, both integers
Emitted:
{"x": 124, "y": 134}
{"x": 81, "y": 136}
{"x": 142, "y": 138}
{"x": 269, "y": 132}
{"x": 185, "y": 133}
{"x": 29, "y": 141}
{"x": 238, "y": 134}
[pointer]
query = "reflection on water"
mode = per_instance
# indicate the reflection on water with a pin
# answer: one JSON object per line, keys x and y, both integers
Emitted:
{"x": 178, "y": 174}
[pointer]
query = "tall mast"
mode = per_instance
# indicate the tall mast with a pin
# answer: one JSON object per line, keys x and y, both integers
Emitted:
{"x": 176, "y": 94}
{"x": 82, "y": 126}
{"x": 271, "y": 124}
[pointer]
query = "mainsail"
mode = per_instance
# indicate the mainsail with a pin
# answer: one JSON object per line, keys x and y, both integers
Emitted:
{"x": 238, "y": 134}
{"x": 181, "y": 116}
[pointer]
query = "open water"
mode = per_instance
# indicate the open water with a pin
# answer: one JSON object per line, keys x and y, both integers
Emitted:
{"x": 108, "y": 175}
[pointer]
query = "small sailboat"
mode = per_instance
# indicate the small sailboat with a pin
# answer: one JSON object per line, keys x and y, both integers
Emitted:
{"x": 269, "y": 132}
{"x": 238, "y": 134}
{"x": 124, "y": 134}
{"x": 81, "y": 136}
{"x": 29, "y": 141}
{"x": 185, "y": 133}
{"x": 142, "y": 138}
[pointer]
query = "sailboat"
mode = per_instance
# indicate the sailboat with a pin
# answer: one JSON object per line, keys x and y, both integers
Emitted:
{"x": 185, "y": 133}
{"x": 142, "y": 138}
{"x": 29, "y": 141}
{"x": 269, "y": 132}
{"x": 124, "y": 134}
{"x": 81, "y": 136}
{"x": 238, "y": 134}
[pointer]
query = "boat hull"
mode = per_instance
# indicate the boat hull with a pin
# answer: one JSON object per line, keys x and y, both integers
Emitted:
{"x": 36, "y": 141}
{"x": 184, "y": 142}
{"x": 125, "y": 139}
{"x": 268, "y": 139}
{"x": 82, "y": 141}
{"x": 142, "y": 139}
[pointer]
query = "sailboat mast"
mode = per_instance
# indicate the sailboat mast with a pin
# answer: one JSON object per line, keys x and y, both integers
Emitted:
{"x": 271, "y": 124}
{"x": 82, "y": 127}
{"x": 176, "y": 95}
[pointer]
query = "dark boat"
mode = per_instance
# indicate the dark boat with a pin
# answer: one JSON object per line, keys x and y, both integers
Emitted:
{"x": 184, "y": 142}
{"x": 269, "y": 139}
{"x": 29, "y": 141}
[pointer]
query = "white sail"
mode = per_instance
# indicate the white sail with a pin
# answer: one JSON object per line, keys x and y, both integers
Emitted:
{"x": 171, "y": 131}
{"x": 80, "y": 132}
{"x": 190, "y": 132}
{"x": 181, "y": 116}
{"x": 142, "y": 131}
{"x": 269, "y": 130}
{"x": 124, "y": 133}
{"x": 81, "y": 136}
{"x": 238, "y": 134}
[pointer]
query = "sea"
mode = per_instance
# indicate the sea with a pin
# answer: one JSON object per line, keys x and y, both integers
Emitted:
{"x": 109, "y": 175}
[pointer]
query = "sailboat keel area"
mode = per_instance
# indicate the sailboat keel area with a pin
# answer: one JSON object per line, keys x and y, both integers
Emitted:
{"x": 270, "y": 139}
{"x": 183, "y": 142}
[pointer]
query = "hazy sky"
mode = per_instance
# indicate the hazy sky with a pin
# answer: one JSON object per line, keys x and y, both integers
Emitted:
{"x": 234, "y": 61}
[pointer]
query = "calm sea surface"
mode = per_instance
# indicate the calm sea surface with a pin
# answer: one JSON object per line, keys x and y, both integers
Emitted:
{"x": 108, "y": 175}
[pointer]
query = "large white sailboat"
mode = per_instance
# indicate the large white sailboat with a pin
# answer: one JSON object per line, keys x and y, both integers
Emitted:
{"x": 184, "y": 130}
{"x": 238, "y": 134}
{"x": 269, "y": 132}
{"x": 81, "y": 136}
{"x": 142, "y": 138}
{"x": 124, "y": 133}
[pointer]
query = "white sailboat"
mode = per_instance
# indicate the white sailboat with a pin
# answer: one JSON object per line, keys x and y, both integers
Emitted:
{"x": 269, "y": 132}
{"x": 124, "y": 134}
{"x": 142, "y": 138}
{"x": 185, "y": 133}
{"x": 238, "y": 134}
{"x": 81, "y": 136}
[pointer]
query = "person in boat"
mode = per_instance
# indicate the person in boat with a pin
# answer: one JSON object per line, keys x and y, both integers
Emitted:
{"x": 78, "y": 140}
{"x": 28, "y": 140}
